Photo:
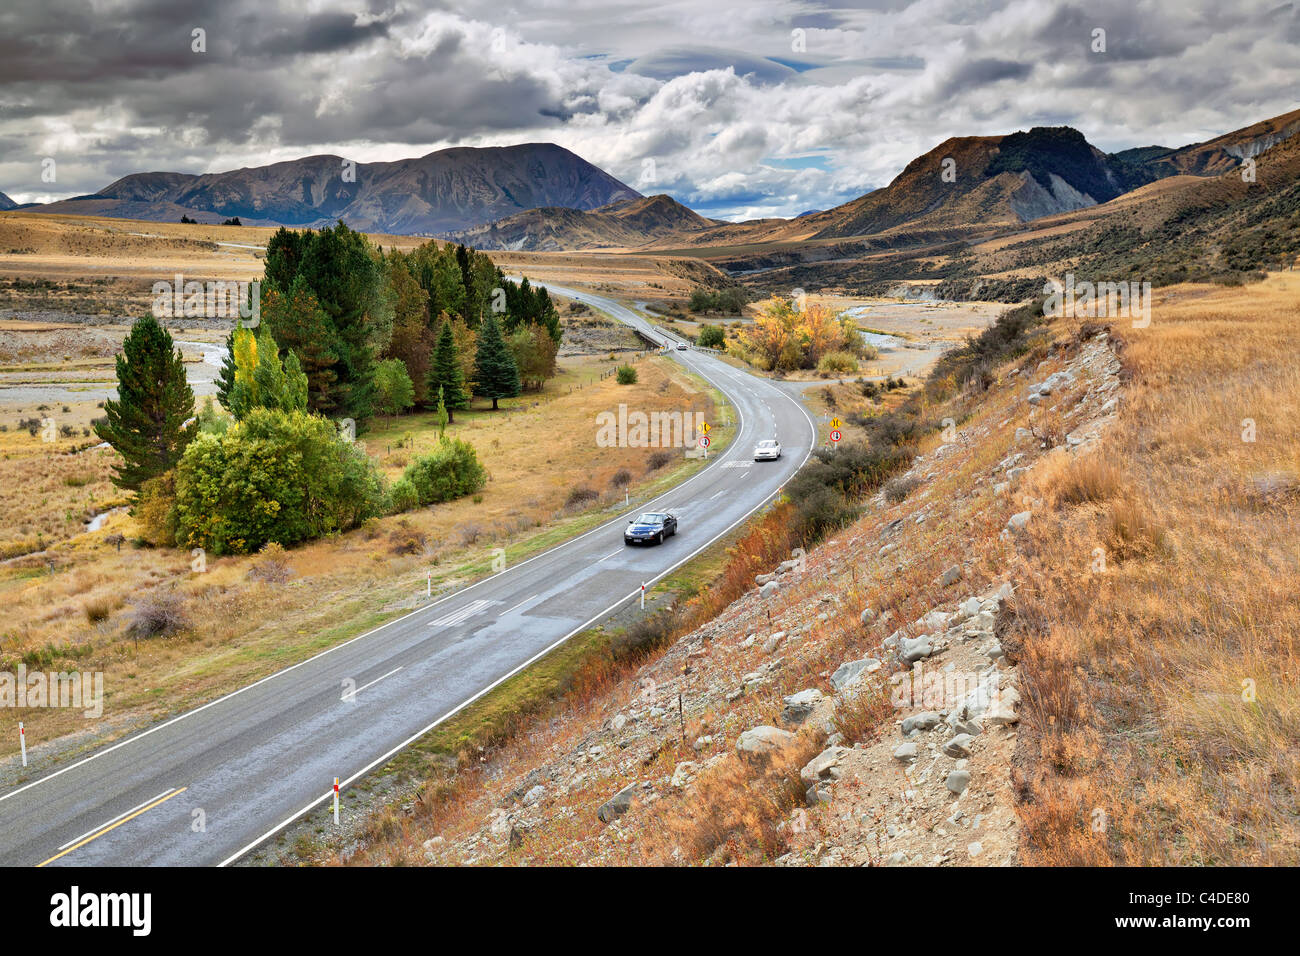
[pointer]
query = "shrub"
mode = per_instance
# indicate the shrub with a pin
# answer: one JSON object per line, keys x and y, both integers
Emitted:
{"x": 657, "y": 460}
{"x": 98, "y": 609}
{"x": 838, "y": 363}
{"x": 712, "y": 337}
{"x": 158, "y": 615}
{"x": 402, "y": 496}
{"x": 156, "y": 510}
{"x": 621, "y": 478}
{"x": 449, "y": 472}
{"x": 581, "y": 495}
{"x": 275, "y": 476}
{"x": 272, "y": 567}
{"x": 626, "y": 375}
{"x": 897, "y": 489}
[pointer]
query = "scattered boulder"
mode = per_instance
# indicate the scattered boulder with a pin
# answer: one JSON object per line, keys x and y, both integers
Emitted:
{"x": 769, "y": 589}
{"x": 913, "y": 649}
{"x": 950, "y": 577}
{"x": 849, "y": 671}
{"x": 905, "y": 752}
{"x": 618, "y": 804}
{"x": 824, "y": 767}
{"x": 926, "y": 720}
{"x": 958, "y": 781}
{"x": 959, "y": 746}
{"x": 534, "y": 795}
{"x": 799, "y": 707}
{"x": 1019, "y": 520}
{"x": 761, "y": 741}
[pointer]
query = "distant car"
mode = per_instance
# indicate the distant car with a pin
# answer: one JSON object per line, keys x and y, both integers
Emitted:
{"x": 652, "y": 526}
{"x": 681, "y": 346}
{"x": 769, "y": 449}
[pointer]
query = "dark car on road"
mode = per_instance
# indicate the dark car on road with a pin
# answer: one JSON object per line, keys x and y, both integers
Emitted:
{"x": 652, "y": 526}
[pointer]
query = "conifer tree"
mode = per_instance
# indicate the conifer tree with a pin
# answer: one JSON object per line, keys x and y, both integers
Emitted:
{"x": 445, "y": 376}
{"x": 496, "y": 374}
{"x": 152, "y": 419}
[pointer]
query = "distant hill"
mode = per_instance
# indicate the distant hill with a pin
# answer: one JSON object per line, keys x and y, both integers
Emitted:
{"x": 626, "y": 224}
{"x": 1217, "y": 155}
{"x": 451, "y": 189}
{"x": 6, "y": 202}
{"x": 997, "y": 182}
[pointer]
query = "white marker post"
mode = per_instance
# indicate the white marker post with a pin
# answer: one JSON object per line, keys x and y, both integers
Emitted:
{"x": 22, "y": 741}
{"x": 643, "y": 597}
{"x": 428, "y": 586}
{"x": 336, "y": 801}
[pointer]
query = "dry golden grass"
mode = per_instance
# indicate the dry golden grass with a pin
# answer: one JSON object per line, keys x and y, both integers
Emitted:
{"x": 46, "y": 492}
{"x": 1161, "y": 713}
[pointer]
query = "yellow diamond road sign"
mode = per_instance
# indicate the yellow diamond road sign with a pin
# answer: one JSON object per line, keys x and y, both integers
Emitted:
{"x": 836, "y": 423}
{"x": 705, "y": 427}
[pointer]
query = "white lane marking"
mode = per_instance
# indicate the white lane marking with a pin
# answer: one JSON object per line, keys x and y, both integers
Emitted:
{"x": 610, "y": 555}
{"x": 461, "y": 615}
{"x": 116, "y": 818}
{"x": 722, "y": 492}
{"x": 518, "y": 606}
{"x": 377, "y": 680}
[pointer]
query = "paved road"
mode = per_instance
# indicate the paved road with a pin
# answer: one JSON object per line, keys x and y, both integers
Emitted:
{"x": 249, "y": 763}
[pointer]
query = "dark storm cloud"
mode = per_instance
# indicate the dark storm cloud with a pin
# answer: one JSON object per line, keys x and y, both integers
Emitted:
{"x": 322, "y": 33}
{"x": 976, "y": 73}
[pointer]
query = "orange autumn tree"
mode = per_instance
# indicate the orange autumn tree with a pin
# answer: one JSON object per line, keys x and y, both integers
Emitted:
{"x": 784, "y": 337}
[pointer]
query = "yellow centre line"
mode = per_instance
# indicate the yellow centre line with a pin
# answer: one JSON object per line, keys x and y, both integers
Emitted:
{"x": 99, "y": 833}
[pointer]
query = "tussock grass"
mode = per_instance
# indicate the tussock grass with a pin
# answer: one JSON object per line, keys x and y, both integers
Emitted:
{"x": 1160, "y": 711}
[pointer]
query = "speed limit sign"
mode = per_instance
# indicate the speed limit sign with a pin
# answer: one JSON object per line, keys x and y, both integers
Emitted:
{"x": 704, "y": 441}
{"x": 835, "y": 434}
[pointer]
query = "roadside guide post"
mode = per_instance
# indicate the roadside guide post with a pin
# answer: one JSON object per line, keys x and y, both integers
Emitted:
{"x": 22, "y": 741}
{"x": 336, "y": 801}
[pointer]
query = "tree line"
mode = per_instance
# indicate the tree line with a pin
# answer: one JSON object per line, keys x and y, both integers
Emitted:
{"x": 370, "y": 328}
{"x": 347, "y": 331}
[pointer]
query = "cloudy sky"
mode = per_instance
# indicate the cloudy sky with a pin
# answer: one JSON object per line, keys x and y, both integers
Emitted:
{"x": 739, "y": 108}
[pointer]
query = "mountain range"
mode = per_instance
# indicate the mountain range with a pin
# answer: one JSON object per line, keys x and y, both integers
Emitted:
{"x": 541, "y": 197}
{"x": 445, "y": 190}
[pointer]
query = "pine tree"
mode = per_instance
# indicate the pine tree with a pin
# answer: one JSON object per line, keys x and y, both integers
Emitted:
{"x": 152, "y": 419}
{"x": 495, "y": 369}
{"x": 445, "y": 376}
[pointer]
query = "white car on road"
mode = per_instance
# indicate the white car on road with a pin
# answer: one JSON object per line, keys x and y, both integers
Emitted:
{"x": 769, "y": 449}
